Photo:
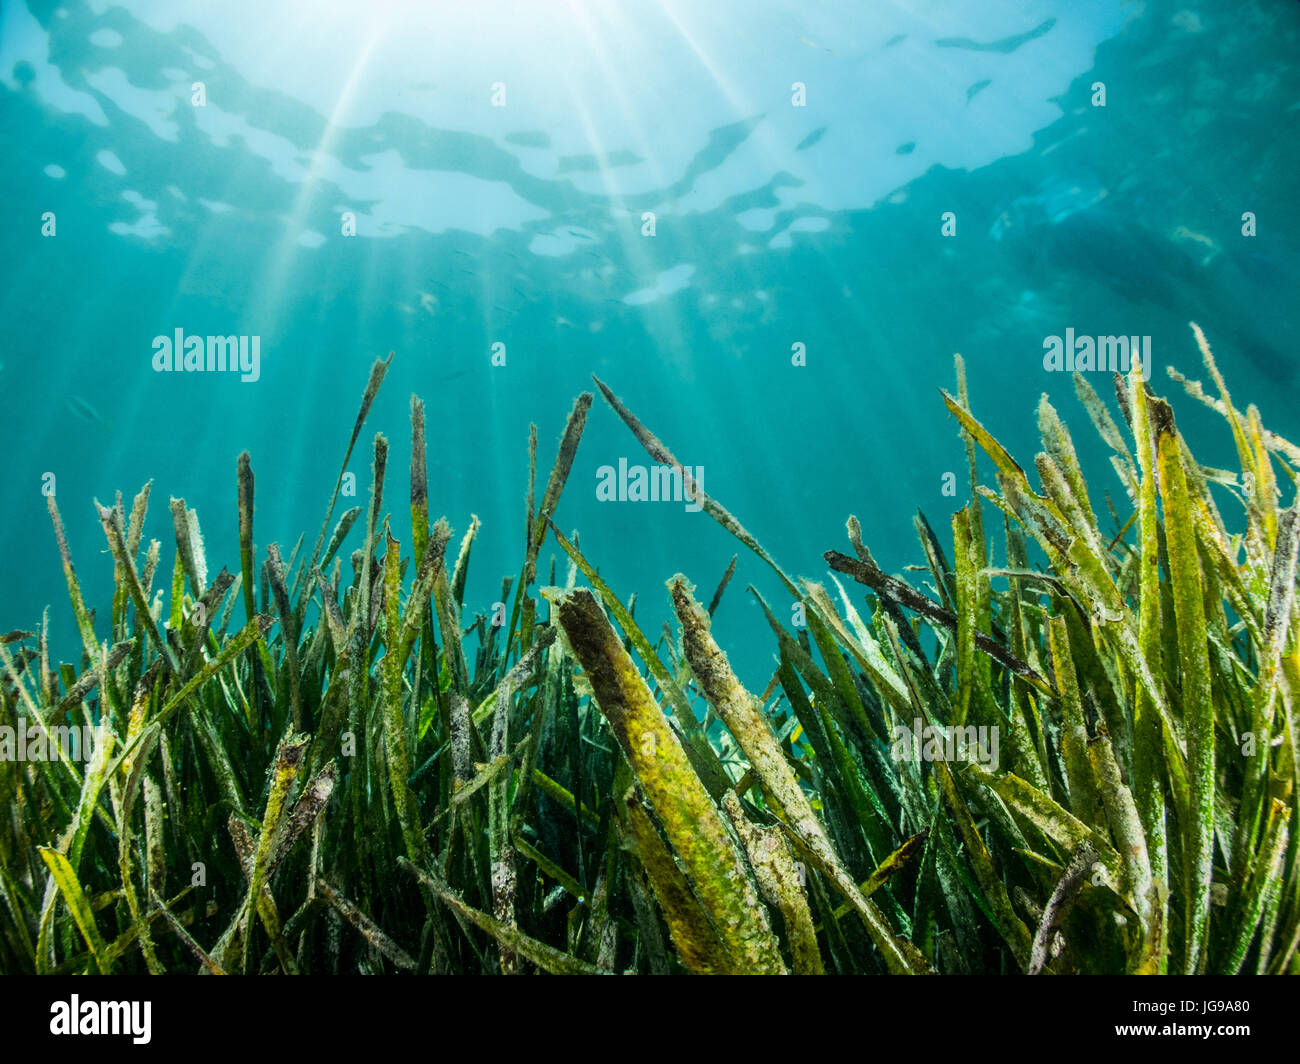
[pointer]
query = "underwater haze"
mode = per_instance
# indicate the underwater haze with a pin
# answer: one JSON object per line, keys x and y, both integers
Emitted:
{"x": 767, "y": 226}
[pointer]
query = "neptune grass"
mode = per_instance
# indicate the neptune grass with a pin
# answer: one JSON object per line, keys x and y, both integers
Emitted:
{"x": 357, "y": 774}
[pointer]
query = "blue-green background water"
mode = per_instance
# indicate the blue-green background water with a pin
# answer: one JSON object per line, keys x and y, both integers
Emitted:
{"x": 522, "y": 224}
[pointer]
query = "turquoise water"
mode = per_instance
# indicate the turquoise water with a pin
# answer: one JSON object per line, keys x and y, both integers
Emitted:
{"x": 205, "y": 164}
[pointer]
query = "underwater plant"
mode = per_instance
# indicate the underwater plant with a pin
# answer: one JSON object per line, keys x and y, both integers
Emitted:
{"x": 1073, "y": 751}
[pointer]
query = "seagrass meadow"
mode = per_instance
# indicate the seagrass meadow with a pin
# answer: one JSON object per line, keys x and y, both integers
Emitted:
{"x": 325, "y": 764}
